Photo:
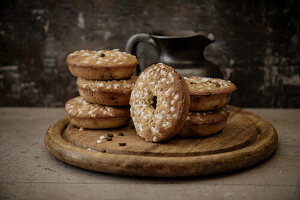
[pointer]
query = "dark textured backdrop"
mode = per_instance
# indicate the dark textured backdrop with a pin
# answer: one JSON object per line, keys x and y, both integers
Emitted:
{"x": 257, "y": 44}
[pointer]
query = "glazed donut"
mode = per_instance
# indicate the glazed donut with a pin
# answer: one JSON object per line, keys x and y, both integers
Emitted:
{"x": 94, "y": 116}
{"x": 102, "y": 65}
{"x": 204, "y": 123}
{"x": 159, "y": 103}
{"x": 111, "y": 93}
{"x": 209, "y": 93}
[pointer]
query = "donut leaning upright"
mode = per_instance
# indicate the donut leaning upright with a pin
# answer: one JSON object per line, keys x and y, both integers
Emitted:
{"x": 159, "y": 102}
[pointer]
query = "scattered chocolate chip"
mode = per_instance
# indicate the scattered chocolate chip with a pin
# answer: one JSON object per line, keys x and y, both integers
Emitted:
{"x": 120, "y": 134}
{"x": 122, "y": 144}
{"x": 110, "y": 135}
{"x": 193, "y": 83}
{"x": 109, "y": 138}
{"x": 103, "y": 151}
{"x": 218, "y": 85}
{"x": 102, "y": 55}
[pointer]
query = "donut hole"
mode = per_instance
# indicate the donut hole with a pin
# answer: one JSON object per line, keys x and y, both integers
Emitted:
{"x": 154, "y": 102}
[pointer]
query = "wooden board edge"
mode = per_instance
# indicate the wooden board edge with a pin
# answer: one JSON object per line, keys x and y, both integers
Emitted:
{"x": 164, "y": 166}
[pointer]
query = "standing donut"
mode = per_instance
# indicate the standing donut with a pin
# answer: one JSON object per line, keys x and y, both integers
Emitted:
{"x": 159, "y": 102}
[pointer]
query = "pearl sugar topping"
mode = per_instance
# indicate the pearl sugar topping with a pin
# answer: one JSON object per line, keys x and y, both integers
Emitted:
{"x": 155, "y": 83}
{"x": 103, "y": 57}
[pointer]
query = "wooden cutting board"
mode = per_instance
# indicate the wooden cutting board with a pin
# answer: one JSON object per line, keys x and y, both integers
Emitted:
{"x": 247, "y": 139}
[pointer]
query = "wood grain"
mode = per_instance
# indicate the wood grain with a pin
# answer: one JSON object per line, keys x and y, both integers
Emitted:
{"x": 246, "y": 140}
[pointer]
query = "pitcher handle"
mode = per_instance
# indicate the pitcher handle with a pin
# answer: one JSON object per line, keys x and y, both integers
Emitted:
{"x": 134, "y": 40}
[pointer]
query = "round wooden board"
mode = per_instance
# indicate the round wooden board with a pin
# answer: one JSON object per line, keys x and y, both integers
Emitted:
{"x": 246, "y": 140}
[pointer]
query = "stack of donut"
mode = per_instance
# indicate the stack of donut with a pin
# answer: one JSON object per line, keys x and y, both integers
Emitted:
{"x": 208, "y": 114}
{"x": 105, "y": 81}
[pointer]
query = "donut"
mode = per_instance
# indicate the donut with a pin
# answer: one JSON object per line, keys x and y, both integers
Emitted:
{"x": 111, "y": 93}
{"x": 209, "y": 93}
{"x": 159, "y": 103}
{"x": 94, "y": 116}
{"x": 204, "y": 123}
{"x": 102, "y": 65}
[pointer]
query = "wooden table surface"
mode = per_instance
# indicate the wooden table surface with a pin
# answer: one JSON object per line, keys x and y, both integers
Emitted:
{"x": 28, "y": 171}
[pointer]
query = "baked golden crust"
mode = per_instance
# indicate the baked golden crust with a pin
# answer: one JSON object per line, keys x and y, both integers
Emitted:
{"x": 204, "y": 123}
{"x": 202, "y": 130}
{"x": 209, "y": 86}
{"x": 207, "y": 117}
{"x": 98, "y": 123}
{"x": 112, "y": 93}
{"x": 159, "y": 103}
{"x": 102, "y": 65}
{"x": 209, "y": 93}
{"x": 94, "y": 116}
{"x": 209, "y": 102}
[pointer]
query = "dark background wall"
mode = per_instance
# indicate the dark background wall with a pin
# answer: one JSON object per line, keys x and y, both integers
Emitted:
{"x": 257, "y": 44}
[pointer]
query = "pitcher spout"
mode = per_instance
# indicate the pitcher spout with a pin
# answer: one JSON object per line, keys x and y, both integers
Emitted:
{"x": 205, "y": 38}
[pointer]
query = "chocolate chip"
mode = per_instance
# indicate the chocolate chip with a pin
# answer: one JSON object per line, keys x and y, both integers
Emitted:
{"x": 102, "y": 55}
{"x": 122, "y": 144}
{"x": 109, "y": 138}
{"x": 110, "y": 135}
{"x": 103, "y": 151}
{"x": 120, "y": 134}
{"x": 218, "y": 85}
{"x": 193, "y": 83}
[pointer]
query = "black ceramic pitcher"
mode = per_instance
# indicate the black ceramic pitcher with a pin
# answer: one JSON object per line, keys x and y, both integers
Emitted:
{"x": 182, "y": 50}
